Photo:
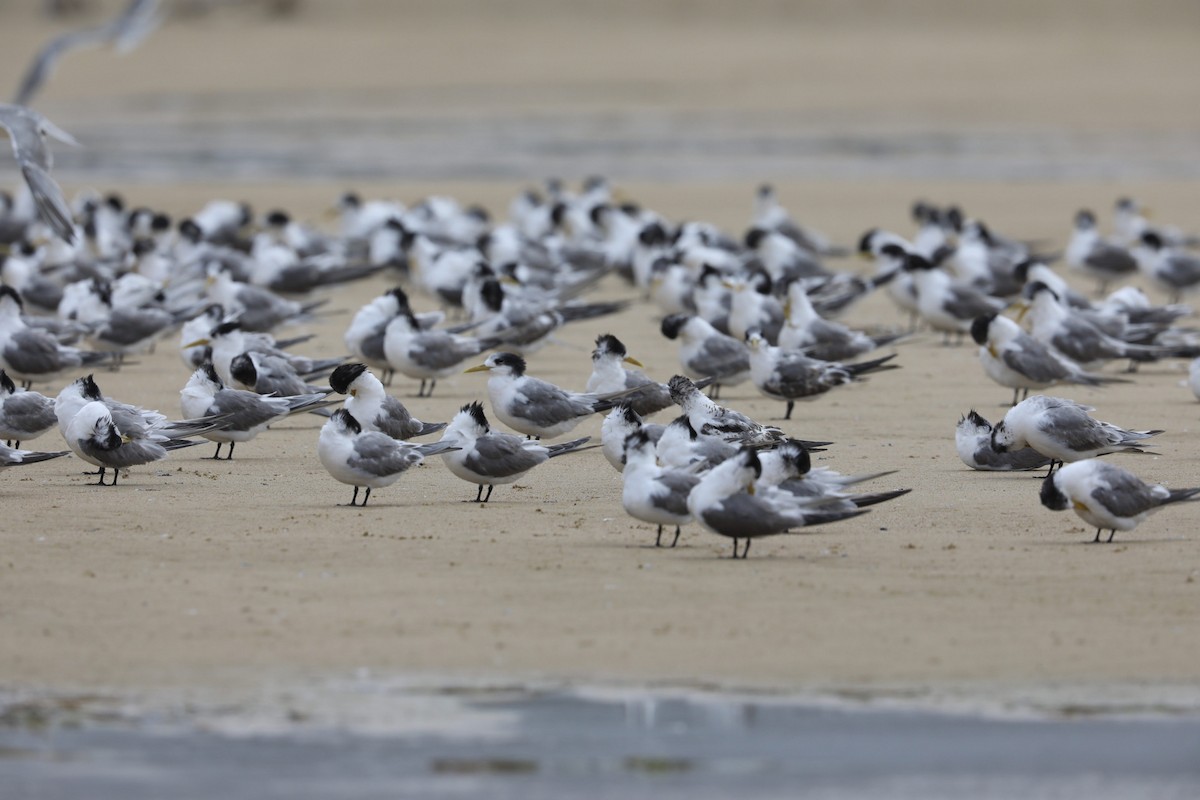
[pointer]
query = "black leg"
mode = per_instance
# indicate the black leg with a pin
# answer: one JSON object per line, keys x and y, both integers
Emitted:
{"x": 1015, "y": 393}
{"x": 735, "y": 548}
{"x": 115, "y": 472}
{"x": 101, "y": 481}
{"x": 229, "y": 455}
{"x": 488, "y": 496}
{"x": 1050, "y": 471}
{"x": 421, "y": 390}
{"x": 675, "y": 541}
{"x": 1097, "y": 539}
{"x": 1111, "y": 534}
{"x": 354, "y": 500}
{"x": 479, "y": 494}
{"x": 1025, "y": 394}
{"x": 366, "y": 496}
{"x": 217, "y": 455}
{"x": 658, "y": 539}
{"x": 432, "y": 383}
{"x": 788, "y": 414}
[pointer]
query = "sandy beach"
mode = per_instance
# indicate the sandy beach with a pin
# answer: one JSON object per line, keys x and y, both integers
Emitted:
{"x": 198, "y": 575}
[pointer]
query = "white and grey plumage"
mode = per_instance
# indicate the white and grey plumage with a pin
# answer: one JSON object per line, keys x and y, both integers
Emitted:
{"x": 136, "y": 21}
{"x": 947, "y": 306}
{"x": 706, "y": 352}
{"x": 792, "y": 376}
{"x": 427, "y": 355}
{"x": 1014, "y": 359}
{"x": 532, "y": 406}
{"x": 373, "y": 407}
{"x": 710, "y": 419}
{"x": 653, "y": 493}
{"x": 610, "y": 375}
{"x": 248, "y": 360}
{"x": 257, "y": 309}
{"x": 1063, "y": 431}
{"x": 243, "y": 414}
{"x": 725, "y": 502}
{"x": 491, "y": 458}
{"x": 1073, "y": 334}
{"x": 973, "y": 441}
{"x": 618, "y": 425}
{"x": 1107, "y": 496}
{"x": 1088, "y": 252}
{"x": 1175, "y": 270}
{"x": 805, "y": 329}
{"x": 753, "y": 307}
{"x": 24, "y": 416}
{"x": 10, "y": 457}
{"x": 789, "y": 468}
{"x": 93, "y": 436}
{"x": 365, "y": 334}
{"x": 28, "y": 131}
{"x": 133, "y": 420}
{"x": 369, "y": 459}
{"x": 29, "y": 354}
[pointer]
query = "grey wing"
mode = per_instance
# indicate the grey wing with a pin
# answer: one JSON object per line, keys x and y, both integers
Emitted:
{"x": 721, "y": 355}
{"x": 372, "y": 346}
{"x": 29, "y": 411}
{"x": 129, "y": 454}
{"x": 378, "y": 454}
{"x": 1181, "y": 272}
{"x": 678, "y": 485}
{"x": 36, "y": 353}
{"x": 245, "y": 410}
{"x": 130, "y": 326}
{"x": 1074, "y": 428}
{"x": 1113, "y": 260}
{"x": 804, "y": 378}
{"x": 275, "y": 376}
{"x": 1082, "y": 341}
{"x": 1123, "y": 494}
{"x": 50, "y": 201}
{"x": 545, "y": 404}
{"x": 440, "y": 350}
{"x": 1032, "y": 359}
{"x": 744, "y": 516}
{"x": 501, "y": 456}
{"x": 964, "y": 303}
{"x": 395, "y": 421}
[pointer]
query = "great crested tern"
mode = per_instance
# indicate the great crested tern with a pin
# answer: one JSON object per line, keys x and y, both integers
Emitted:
{"x": 973, "y": 441}
{"x": 535, "y": 407}
{"x": 24, "y": 416}
{"x": 1063, "y": 431}
{"x": 804, "y": 329}
{"x": 373, "y": 407}
{"x": 611, "y": 375}
{"x": 491, "y": 458}
{"x": 792, "y": 375}
{"x": 94, "y": 437}
{"x": 1107, "y": 496}
{"x": 653, "y": 493}
{"x": 618, "y": 425}
{"x": 29, "y": 354}
{"x": 1088, "y": 252}
{"x": 28, "y": 131}
{"x": 243, "y": 414}
{"x": 11, "y": 457}
{"x": 370, "y": 459}
{"x": 427, "y": 355}
{"x": 705, "y": 352}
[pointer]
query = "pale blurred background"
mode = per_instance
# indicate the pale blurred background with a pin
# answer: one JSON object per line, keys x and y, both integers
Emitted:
{"x": 661, "y": 91}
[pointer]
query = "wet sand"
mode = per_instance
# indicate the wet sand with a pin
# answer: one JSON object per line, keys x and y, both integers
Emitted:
{"x": 194, "y": 574}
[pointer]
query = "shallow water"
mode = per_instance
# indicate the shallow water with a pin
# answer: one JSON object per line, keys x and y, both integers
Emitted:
{"x": 345, "y": 136}
{"x": 535, "y": 744}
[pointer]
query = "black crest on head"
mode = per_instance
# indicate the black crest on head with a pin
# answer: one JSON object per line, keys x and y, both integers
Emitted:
{"x": 278, "y": 218}
{"x": 652, "y": 234}
{"x": 90, "y": 390}
{"x": 977, "y": 420}
{"x": 1032, "y": 290}
{"x": 680, "y": 386}
{"x": 160, "y": 222}
{"x": 511, "y": 360}
{"x": 347, "y": 419}
{"x": 749, "y": 457}
{"x": 754, "y": 237}
{"x": 630, "y": 416}
{"x": 979, "y": 328}
{"x": 1021, "y": 271}
{"x": 476, "y": 411}
{"x": 400, "y": 295}
{"x": 346, "y": 374}
{"x": 243, "y": 370}
{"x": 864, "y": 241}
{"x": 607, "y": 343}
{"x": 1152, "y": 240}
{"x": 797, "y": 455}
{"x": 492, "y": 294}
{"x": 682, "y": 421}
{"x": 189, "y": 230}
{"x": 211, "y": 373}
{"x": 672, "y": 324}
{"x": 1085, "y": 219}
{"x": 226, "y": 328}
{"x": 1052, "y": 497}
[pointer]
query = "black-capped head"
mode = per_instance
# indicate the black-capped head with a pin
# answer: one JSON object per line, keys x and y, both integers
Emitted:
{"x": 630, "y": 209}
{"x": 6, "y": 383}
{"x": 277, "y": 218}
{"x": 977, "y": 419}
{"x": 864, "y": 241}
{"x": 652, "y": 235}
{"x": 754, "y": 237}
{"x": 27, "y": 249}
{"x": 7, "y": 291}
{"x": 475, "y": 410}
{"x": 346, "y": 374}
{"x": 796, "y": 455}
{"x": 680, "y": 387}
{"x": 210, "y": 373}
{"x": 1127, "y": 204}
{"x": 980, "y": 326}
{"x": 226, "y": 328}
{"x": 242, "y": 369}
{"x": 400, "y": 296}
{"x": 923, "y": 211}
{"x": 1085, "y": 219}
{"x": 673, "y": 324}
{"x": 630, "y": 416}
{"x": 984, "y": 233}
{"x": 1021, "y": 271}
{"x": 89, "y": 389}
{"x": 893, "y": 250}
{"x": 115, "y": 202}
{"x": 598, "y": 212}
{"x": 514, "y": 362}
{"x": 1152, "y": 240}
{"x": 558, "y": 212}
{"x": 637, "y": 440}
{"x": 607, "y": 344}
{"x": 478, "y": 213}
{"x": 708, "y": 274}
{"x": 916, "y": 263}
{"x": 350, "y": 200}
{"x": 160, "y": 222}
{"x": 190, "y": 231}
{"x": 245, "y": 214}
{"x": 765, "y": 190}
{"x": 347, "y": 421}
{"x": 748, "y": 456}
{"x": 1051, "y": 496}
{"x": 999, "y": 432}
{"x": 953, "y": 218}
{"x": 103, "y": 290}
{"x": 142, "y": 246}
{"x": 1032, "y": 290}
{"x": 492, "y": 294}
